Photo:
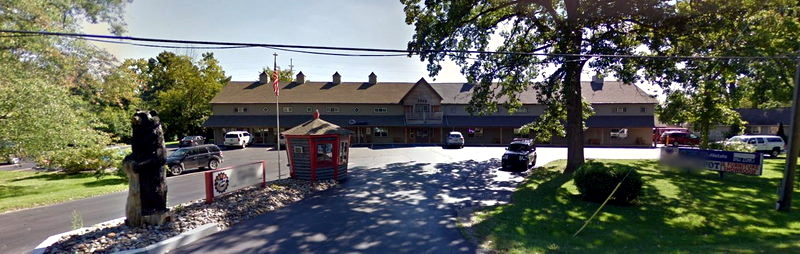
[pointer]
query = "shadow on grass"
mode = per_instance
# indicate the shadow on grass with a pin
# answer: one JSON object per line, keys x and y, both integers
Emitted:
{"x": 678, "y": 211}
{"x": 105, "y": 182}
{"x": 16, "y": 191}
{"x": 54, "y": 176}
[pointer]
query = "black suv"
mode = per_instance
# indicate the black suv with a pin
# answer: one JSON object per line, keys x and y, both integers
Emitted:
{"x": 520, "y": 155}
{"x": 202, "y": 156}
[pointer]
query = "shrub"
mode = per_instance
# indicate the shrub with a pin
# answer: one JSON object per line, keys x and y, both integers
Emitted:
{"x": 84, "y": 159}
{"x": 595, "y": 181}
{"x": 733, "y": 146}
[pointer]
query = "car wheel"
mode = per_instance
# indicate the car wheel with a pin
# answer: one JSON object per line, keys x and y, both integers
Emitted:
{"x": 175, "y": 170}
{"x": 775, "y": 152}
{"x": 244, "y": 145}
{"x": 675, "y": 144}
{"x": 213, "y": 164}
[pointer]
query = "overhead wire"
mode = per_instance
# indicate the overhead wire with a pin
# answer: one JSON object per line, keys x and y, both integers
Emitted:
{"x": 404, "y": 51}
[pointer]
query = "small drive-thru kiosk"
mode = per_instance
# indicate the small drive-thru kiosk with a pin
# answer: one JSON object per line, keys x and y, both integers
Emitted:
{"x": 318, "y": 150}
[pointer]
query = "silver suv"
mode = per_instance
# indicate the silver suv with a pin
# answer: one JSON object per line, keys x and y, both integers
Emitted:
{"x": 768, "y": 144}
{"x": 454, "y": 139}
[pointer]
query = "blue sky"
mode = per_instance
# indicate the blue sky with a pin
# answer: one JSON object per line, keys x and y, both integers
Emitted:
{"x": 343, "y": 23}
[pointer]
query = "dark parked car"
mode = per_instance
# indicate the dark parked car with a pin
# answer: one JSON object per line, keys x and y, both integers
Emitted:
{"x": 520, "y": 155}
{"x": 202, "y": 156}
{"x": 192, "y": 141}
{"x": 680, "y": 139}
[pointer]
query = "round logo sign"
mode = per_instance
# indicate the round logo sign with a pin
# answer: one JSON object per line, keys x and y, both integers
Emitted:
{"x": 221, "y": 182}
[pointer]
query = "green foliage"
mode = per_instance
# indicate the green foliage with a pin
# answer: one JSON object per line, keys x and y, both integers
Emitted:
{"x": 94, "y": 159}
{"x": 180, "y": 90}
{"x": 596, "y": 181}
{"x": 733, "y": 146}
{"x": 39, "y": 113}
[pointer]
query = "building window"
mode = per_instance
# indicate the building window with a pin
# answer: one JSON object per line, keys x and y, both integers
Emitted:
{"x": 621, "y": 109}
{"x": 475, "y": 132}
{"x": 355, "y": 110}
{"x": 287, "y": 109}
{"x": 381, "y": 110}
{"x": 522, "y": 110}
{"x": 422, "y": 100}
{"x": 332, "y": 109}
{"x": 619, "y": 133}
{"x": 324, "y": 152}
{"x": 420, "y": 108}
{"x": 240, "y": 109}
{"x": 265, "y": 109}
{"x": 643, "y": 110}
{"x": 381, "y": 132}
{"x": 309, "y": 109}
{"x": 298, "y": 149}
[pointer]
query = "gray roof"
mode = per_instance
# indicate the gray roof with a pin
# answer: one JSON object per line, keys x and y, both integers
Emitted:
{"x": 608, "y": 92}
{"x": 393, "y": 93}
{"x": 755, "y": 116}
{"x": 317, "y": 126}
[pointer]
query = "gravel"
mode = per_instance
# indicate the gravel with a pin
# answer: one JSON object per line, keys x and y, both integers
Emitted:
{"x": 225, "y": 211}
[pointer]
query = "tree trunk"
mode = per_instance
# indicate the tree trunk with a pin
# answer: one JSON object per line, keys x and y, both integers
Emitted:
{"x": 571, "y": 88}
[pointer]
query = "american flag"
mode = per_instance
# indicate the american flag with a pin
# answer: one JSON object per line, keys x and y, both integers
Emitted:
{"x": 275, "y": 81}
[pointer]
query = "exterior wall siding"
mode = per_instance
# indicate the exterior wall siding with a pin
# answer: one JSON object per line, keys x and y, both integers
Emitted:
{"x": 301, "y": 109}
{"x": 301, "y": 162}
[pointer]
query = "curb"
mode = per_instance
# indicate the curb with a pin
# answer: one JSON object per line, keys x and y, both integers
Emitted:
{"x": 39, "y": 249}
{"x": 165, "y": 246}
{"x": 177, "y": 241}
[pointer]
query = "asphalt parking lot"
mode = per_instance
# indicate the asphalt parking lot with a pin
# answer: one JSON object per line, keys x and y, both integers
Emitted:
{"x": 448, "y": 177}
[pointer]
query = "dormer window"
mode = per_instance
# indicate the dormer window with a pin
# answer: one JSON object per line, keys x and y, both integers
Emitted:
{"x": 422, "y": 100}
{"x": 621, "y": 109}
{"x": 240, "y": 109}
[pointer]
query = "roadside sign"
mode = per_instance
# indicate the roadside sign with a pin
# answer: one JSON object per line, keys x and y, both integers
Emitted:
{"x": 721, "y": 161}
{"x": 225, "y": 180}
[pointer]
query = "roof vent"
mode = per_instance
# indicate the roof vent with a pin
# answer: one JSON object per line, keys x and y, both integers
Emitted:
{"x": 373, "y": 79}
{"x": 263, "y": 78}
{"x": 300, "y": 78}
{"x": 337, "y": 79}
{"x": 597, "y": 82}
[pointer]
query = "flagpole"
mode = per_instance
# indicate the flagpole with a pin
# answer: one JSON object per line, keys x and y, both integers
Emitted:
{"x": 277, "y": 115}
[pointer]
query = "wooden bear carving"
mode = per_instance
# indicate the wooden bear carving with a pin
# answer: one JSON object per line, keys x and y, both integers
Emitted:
{"x": 147, "y": 189}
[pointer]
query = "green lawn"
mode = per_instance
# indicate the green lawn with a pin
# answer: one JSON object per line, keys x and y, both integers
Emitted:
{"x": 24, "y": 189}
{"x": 679, "y": 212}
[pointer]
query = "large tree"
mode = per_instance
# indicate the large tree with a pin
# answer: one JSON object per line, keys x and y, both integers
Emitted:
{"x": 568, "y": 27}
{"x": 39, "y": 114}
{"x": 704, "y": 92}
{"x": 180, "y": 89}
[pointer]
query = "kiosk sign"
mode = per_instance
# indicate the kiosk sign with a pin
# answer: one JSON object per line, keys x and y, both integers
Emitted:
{"x": 721, "y": 161}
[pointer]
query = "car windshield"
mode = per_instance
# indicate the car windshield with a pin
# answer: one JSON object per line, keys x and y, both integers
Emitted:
{"x": 518, "y": 147}
{"x": 231, "y": 136}
{"x": 455, "y": 136}
{"x": 187, "y": 138}
{"x": 179, "y": 153}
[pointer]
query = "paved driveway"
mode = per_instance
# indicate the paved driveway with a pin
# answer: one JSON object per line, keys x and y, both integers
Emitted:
{"x": 405, "y": 206}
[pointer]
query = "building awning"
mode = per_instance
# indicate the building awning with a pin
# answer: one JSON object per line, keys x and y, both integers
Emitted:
{"x": 621, "y": 122}
{"x": 518, "y": 121}
{"x": 488, "y": 121}
{"x": 288, "y": 121}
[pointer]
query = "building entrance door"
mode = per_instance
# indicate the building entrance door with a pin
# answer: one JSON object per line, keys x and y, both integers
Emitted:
{"x": 420, "y": 135}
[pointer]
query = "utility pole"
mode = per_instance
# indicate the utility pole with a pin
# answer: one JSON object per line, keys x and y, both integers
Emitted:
{"x": 787, "y": 184}
{"x": 277, "y": 113}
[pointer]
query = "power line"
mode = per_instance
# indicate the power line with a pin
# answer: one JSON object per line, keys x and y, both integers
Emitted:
{"x": 409, "y": 52}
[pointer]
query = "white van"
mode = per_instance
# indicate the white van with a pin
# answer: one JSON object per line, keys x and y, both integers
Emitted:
{"x": 238, "y": 138}
{"x": 768, "y": 144}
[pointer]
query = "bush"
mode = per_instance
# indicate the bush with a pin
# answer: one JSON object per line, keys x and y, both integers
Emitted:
{"x": 733, "y": 146}
{"x": 84, "y": 159}
{"x": 595, "y": 181}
